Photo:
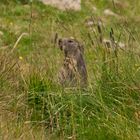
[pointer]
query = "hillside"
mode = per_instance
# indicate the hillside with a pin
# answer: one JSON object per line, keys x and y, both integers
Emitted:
{"x": 33, "y": 106}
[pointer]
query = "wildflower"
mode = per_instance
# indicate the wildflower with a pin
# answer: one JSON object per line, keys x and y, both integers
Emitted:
{"x": 20, "y": 57}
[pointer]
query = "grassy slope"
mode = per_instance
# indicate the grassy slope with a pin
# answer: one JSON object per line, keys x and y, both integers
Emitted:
{"x": 34, "y": 106}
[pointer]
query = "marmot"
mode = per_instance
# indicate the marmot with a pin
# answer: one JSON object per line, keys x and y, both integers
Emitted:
{"x": 73, "y": 71}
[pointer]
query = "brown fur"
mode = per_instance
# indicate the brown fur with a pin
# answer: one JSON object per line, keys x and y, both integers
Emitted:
{"x": 73, "y": 71}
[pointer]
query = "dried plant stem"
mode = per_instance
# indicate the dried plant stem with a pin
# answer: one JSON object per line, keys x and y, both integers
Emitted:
{"x": 20, "y": 37}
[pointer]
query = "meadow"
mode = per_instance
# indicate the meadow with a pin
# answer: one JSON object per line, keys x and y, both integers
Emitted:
{"x": 33, "y": 106}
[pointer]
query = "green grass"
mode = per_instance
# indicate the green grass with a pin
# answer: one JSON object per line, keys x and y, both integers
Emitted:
{"x": 32, "y": 103}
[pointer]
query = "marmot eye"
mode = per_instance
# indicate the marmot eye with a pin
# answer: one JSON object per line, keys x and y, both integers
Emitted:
{"x": 70, "y": 41}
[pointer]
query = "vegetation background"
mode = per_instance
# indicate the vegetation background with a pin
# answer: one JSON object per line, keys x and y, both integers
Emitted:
{"x": 33, "y": 106}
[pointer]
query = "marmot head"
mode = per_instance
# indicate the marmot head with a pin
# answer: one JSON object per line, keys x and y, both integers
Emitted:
{"x": 70, "y": 46}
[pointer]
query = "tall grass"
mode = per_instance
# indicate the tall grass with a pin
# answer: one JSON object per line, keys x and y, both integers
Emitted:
{"x": 34, "y": 106}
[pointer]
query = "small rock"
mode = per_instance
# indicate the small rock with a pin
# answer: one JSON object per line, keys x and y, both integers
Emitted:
{"x": 64, "y": 4}
{"x": 108, "y": 12}
{"x": 108, "y": 43}
{"x": 121, "y": 45}
{"x": 89, "y": 22}
{"x": 94, "y": 9}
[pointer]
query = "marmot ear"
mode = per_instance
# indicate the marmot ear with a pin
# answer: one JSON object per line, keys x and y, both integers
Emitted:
{"x": 81, "y": 48}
